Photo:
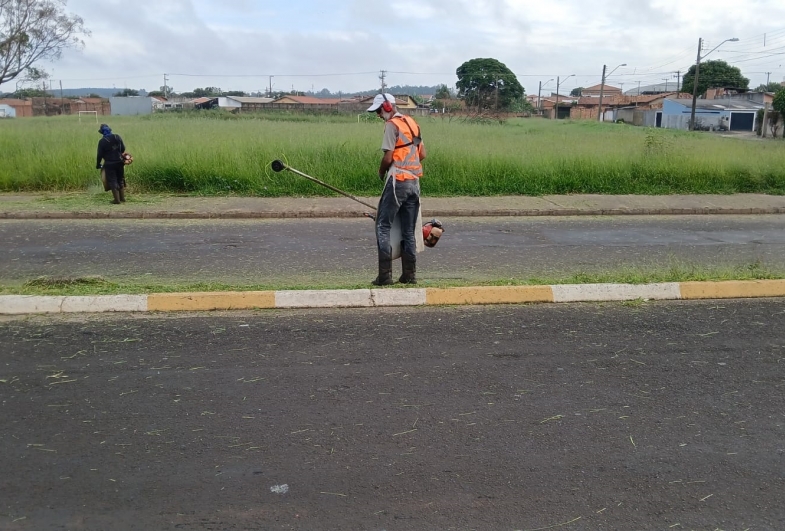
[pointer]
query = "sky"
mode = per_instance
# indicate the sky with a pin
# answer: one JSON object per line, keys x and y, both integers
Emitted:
{"x": 308, "y": 45}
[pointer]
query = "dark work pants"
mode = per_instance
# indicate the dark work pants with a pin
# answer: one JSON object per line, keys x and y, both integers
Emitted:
{"x": 406, "y": 207}
{"x": 115, "y": 175}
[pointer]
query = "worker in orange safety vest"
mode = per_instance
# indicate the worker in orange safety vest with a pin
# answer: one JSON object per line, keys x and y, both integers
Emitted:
{"x": 400, "y": 170}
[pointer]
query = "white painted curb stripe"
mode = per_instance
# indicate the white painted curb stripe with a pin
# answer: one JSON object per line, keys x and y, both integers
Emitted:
{"x": 20, "y": 304}
{"x": 398, "y": 297}
{"x": 339, "y": 298}
{"x": 105, "y": 303}
{"x": 615, "y": 292}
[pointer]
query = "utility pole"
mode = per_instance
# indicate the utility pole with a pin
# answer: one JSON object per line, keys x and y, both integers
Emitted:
{"x": 665, "y": 79}
{"x": 639, "y": 88}
{"x": 382, "y": 76}
{"x": 270, "y": 90}
{"x": 767, "y": 79}
{"x": 695, "y": 85}
{"x": 602, "y": 89}
{"x": 678, "y": 81}
{"x": 765, "y": 116}
{"x": 539, "y": 101}
{"x": 166, "y": 86}
{"x": 556, "y": 107}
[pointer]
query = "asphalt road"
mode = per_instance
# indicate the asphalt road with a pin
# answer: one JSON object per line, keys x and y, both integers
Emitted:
{"x": 591, "y": 416}
{"x": 324, "y": 250}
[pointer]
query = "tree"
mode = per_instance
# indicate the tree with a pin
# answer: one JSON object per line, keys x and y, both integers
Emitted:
{"x": 442, "y": 92}
{"x": 778, "y": 105}
{"x": 126, "y": 92}
{"x": 238, "y": 93}
{"x": 714, "y": 74}
{"x": 770, "y": 87}
{"x": 577, "y": 91}
{"x": 488, "y": 84}
{"x": 33, "y": 30}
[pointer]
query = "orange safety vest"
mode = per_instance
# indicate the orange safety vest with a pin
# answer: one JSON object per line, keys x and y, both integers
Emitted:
{"x": 406, "y": 155}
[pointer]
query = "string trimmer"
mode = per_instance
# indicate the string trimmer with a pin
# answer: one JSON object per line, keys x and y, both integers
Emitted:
{"x": 431, "y": 231}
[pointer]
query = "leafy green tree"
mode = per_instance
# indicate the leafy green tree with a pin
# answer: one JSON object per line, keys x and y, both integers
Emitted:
{"x": 714, "y": 74}
{"x": 156, "y": 94}
{"x": 126, "y": 92}
{"x": 488, "y": 84}
{"x": 239, "y": 93}
{"x": 779, "y": 106}
{"x": 33, "y": 30}
{"x": 32, "y": 93}
{"x": 773, "y": 86}
{"x": 576, "y": 92}
{"x": 443, "y": 92}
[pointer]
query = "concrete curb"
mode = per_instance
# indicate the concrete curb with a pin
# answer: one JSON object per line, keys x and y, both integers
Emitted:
{"x": 437, "y": 213}
{"x": 371, "y": 298}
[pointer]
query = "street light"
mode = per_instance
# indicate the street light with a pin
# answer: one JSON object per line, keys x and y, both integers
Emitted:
{"x": 697, "y": 70}
{"x": 539, "y": 92}
{"x": 602, "y": 88}
{"x": 556, "y": 107}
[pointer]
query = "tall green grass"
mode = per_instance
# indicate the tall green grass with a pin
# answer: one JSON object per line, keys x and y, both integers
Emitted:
{"x": 222, "y": 154}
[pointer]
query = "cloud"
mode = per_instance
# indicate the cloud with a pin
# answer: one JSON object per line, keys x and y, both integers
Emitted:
{"x": 342, "y": 46}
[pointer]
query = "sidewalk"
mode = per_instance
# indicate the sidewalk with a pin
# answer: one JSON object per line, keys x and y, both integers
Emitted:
{"x": 84, "y": 206}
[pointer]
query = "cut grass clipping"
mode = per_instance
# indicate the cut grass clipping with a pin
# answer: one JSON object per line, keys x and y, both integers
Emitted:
{"x": 96, "y": 285}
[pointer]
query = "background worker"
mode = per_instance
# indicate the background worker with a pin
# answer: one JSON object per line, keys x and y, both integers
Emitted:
{"x": 400, "y": 170}
{"x": 111, "y": 149}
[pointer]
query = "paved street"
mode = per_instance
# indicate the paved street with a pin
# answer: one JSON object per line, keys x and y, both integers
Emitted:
{"x": 316, "y": 251}
{"x": 575, "y": 416}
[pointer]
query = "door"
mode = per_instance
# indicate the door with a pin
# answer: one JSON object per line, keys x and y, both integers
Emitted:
{"x": 742, "y": 121}
{"x": 659, "y": 120}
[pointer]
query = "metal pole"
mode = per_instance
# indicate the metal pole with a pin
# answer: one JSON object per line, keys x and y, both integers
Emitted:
{"x": 695, "y": 85}
{"x": 602, "y": 89}
{"x": 277, "y": 166}
{"x": 539, "y": 101}
{"x": 556, "y": 107}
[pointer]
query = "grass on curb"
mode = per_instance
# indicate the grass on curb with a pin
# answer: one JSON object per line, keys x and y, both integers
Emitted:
{"x": 96, "y": 285}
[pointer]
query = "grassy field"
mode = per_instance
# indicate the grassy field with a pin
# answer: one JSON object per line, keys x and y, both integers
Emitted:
{"x": 217, "y": 154}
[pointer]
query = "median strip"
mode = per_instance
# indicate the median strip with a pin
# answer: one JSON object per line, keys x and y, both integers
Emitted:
{"x": 369, "y": 298}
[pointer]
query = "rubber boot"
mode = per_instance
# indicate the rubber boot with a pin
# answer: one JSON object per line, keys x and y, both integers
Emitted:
{"x": 385, "y": 274}
{"x": 116, "y": 195}
{"x": 122, "y": 195}
{"x": 409, "y": 266}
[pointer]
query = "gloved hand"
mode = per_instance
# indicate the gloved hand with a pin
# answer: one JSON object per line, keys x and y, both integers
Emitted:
{"x": 98, "y": 167}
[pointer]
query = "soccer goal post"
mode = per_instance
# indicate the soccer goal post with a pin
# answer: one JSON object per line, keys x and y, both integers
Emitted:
{"x": 88, "y": 113}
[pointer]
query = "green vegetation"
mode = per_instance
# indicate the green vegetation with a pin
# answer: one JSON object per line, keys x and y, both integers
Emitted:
{"x": 96, "y": 285}
{"x": 219, "y": 153}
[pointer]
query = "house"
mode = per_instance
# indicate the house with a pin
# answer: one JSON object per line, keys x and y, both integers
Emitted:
{"x": 723, "y": 114}
{"x": 402, "y": 101}
{"x": 607, "y": 91}
{"x": 21, "y": 108}
{"x": 6, "y": 111}
{"x": 657, "y": 88}
{"x": 587, "y": 108}
{"x": 132, "y": 105}
{"x": 306, "y": 100}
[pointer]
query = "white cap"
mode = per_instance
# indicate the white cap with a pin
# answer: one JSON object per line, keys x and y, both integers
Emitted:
{"x": 379, "y": 99}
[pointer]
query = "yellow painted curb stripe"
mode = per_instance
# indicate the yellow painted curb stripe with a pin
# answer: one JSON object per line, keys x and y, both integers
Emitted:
{"x": 488, "y": 295}
{"x": 247, "y": 300}
{"x": 733, "y": 289}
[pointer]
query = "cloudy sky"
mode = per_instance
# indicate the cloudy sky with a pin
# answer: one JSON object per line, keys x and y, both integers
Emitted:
{"x": 343, "y": 46}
